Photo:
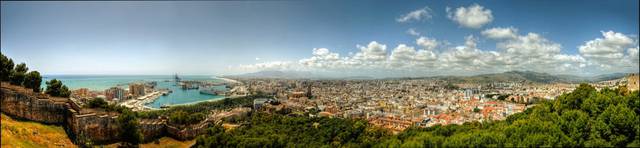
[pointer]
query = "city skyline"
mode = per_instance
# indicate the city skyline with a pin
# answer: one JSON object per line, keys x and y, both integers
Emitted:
{"x": 355, "y": 38}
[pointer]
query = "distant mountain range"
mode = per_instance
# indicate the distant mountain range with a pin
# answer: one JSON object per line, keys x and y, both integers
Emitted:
{"x": 510, "y": 76}
{"x": 531, "y": 76}
{"x": 294, "y": 75}
{"x": 278, "y": 75}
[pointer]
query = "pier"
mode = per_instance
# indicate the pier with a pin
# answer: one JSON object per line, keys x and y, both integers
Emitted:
{"x": 138, "y": 104}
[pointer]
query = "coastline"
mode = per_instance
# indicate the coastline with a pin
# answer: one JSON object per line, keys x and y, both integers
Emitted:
{"x": 196, "y": 102}
{"x": 229, "y": 80}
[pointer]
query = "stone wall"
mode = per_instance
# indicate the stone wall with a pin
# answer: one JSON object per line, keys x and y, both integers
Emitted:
{"x": 23, "y": 103}
{"x": 189, "y": 132}
{"x": 152, "y": 129}
{"x": 100, "y": 127}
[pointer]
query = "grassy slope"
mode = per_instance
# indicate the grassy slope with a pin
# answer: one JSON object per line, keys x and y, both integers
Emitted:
{"x": 17, "y": 133}
{"x": 169, "y": 143}
{"x": 32, "y": 134}
{"x": 164, "y": 142}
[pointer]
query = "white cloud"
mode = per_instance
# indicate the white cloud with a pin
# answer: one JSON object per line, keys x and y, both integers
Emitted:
{"x": 633, "y": 55}
{"x": 470, "y": 41}
{"x": 402, "y": 55}
{"x": 416, "y": 15}
{"x": 374, "y": 51}
{"x": 427, "y": 43}
{"x": 407, "y": 57}
{"x": 607, "y": 51}
{"x": 529, "y": 51}
{"x": 412, "y": 31}
{"x": 425, "y": 59}
{"x": 468, "y": 57}
{"x": 275, "y": 65}
{"x": 257, "y": 59}
{"x": 532, "y": 52}
{"x": 322, "y": 58}
{"x": 474, "y": 16}
{"x": 500, "y": 33}
{"x": 531, "y": 45}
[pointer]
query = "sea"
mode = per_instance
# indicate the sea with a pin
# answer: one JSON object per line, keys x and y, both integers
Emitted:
{"x": 177, "y": 97}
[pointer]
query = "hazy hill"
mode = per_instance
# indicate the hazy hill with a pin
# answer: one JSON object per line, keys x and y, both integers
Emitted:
{"x": 514, "y": 76}
{"x": 531, "y": 76}
{"x": 279, "y": 75}
{"x": 509, "y": 76}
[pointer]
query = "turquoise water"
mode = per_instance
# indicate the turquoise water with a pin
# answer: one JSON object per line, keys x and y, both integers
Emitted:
{"x": 100, "y": 82}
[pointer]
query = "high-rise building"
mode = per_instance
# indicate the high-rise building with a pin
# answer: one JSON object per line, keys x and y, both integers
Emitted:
{"x": 115, "y": 92}
{"x": 308, "y": 93}
{"x": 136, "y": 89}
{"x": 468, "y": 94}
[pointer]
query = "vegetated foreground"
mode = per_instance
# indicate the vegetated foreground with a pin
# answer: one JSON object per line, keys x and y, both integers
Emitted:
{"x": 16, "y": 133}
{"x": 164, "y": 142}
{"x": 32, "y": 134}
{"x": 584, "y": 117}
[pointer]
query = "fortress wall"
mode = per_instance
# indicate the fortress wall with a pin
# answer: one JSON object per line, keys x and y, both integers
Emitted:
{"x": 22, "y": 103}
{"x": 84, "y": 124}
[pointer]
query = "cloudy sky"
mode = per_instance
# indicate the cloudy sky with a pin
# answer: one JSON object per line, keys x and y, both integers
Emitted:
{"x": 341, "y": 38}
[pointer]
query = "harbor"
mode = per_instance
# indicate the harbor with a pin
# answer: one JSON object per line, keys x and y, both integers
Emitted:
{"x": 138, "y": 104}
{"x": 160, "y": 90}
{"x": 186, "y": 90}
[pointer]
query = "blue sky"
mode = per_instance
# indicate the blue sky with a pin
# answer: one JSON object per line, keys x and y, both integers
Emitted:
{"x": 226, "y": 37}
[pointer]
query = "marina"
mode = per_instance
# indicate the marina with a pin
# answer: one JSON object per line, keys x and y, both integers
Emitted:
{"x": 166, "y": 92}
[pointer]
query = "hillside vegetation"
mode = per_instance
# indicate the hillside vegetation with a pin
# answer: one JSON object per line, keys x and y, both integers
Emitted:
{"x": 32, "y": 134}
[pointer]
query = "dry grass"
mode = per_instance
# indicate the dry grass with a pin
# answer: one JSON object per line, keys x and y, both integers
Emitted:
{"x": 164, "y": 142}
{"x": 167, "y": 142}
{"x": 228, "y": 126}
{"x": 32, "y": 134}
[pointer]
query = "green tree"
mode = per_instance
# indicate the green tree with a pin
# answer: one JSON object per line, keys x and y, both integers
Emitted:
{"x": 476, "y": 109}
{"x": 57, "y": 89}
{"x": 622, "y": 123}
{"x": 33, "y": 80}
{"x": 129, "y": 131}
{"x": 574, "y": 99}
{"x": 97, "y": 103}
{"x": 178, "y": 117}
{"x": 18, "y": 74}
{"x": 575, "y": 124}
{"x": 7, "y": 67}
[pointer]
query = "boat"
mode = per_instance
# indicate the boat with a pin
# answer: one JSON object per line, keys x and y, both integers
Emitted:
{"x": 164, "y": 106}
{"x": 176, "y": 78}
